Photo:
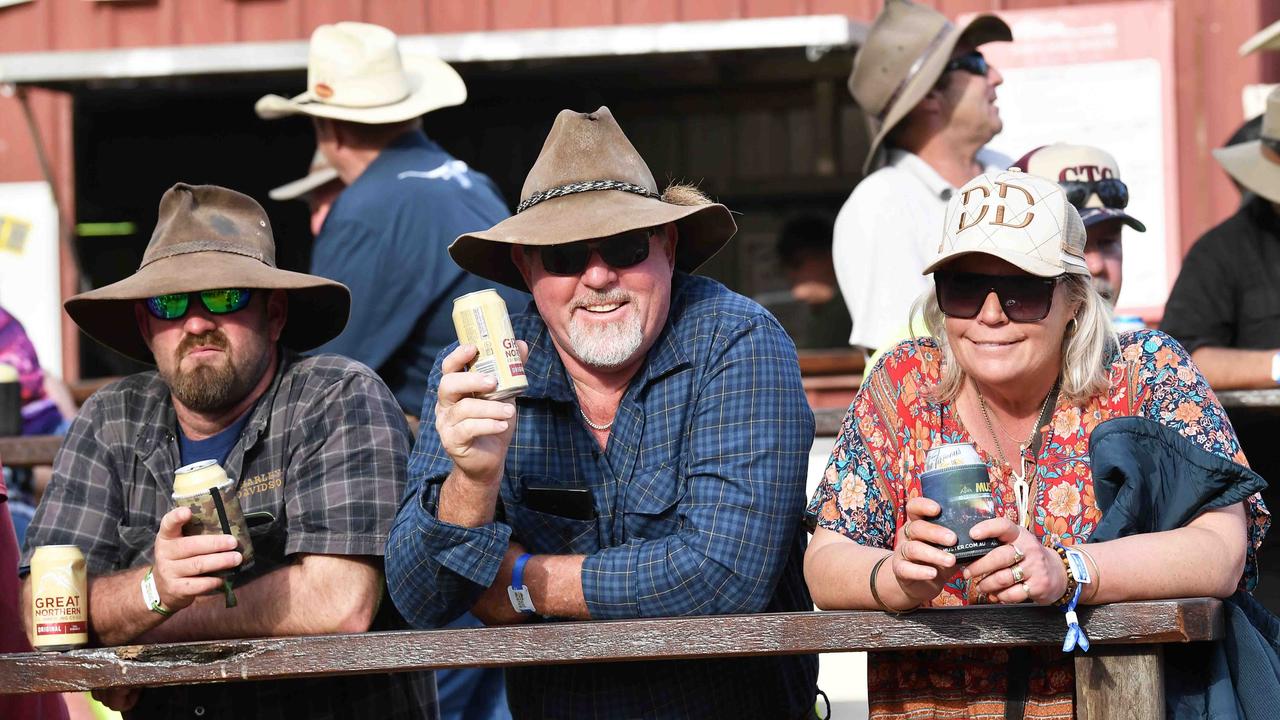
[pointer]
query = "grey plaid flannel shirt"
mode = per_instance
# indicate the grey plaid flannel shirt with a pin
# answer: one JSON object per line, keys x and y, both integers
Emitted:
{"x": 698, "y": 500}
{"x": 323, "y": 452}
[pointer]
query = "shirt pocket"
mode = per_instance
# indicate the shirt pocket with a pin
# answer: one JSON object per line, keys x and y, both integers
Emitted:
{"x": 1259, "y": 321}
{"x": 544, "y": 532}
{"x": 651, "y": 507}
{"x": 136, "y": 544}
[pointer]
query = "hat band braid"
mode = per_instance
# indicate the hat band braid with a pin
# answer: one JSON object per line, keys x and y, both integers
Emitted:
{"x": 915, "y": 69}
{"x": 585, "y": 186}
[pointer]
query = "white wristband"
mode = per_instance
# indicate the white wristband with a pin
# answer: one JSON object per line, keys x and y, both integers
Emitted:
{"x": 151, "y": 595}
{"x": 1275, "y": 368}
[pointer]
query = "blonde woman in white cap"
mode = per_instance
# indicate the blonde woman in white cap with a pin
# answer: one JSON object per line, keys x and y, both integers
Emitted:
{"x": 1023, "y": 363}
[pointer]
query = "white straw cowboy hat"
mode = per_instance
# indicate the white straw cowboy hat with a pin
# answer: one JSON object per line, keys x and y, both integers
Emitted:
{"x": 589, "y": 182}
{"x": 1256, "y": 164}
{"x": 904, "y": 55}
{"x": 1020, "y": 218}
{"x": 208, "y": 237}
{"x": 321, "y": 173}
{"x": 356, "y": 72}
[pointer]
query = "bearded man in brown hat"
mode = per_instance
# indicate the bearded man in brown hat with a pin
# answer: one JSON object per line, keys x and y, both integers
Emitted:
{"x": 654, "y": 467}
{"x": 929, "y": 99}
{"x": 318, "y": 447}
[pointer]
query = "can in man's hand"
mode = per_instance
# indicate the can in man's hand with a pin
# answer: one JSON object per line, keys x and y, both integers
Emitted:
{"x": 956, "y": 478}
{"x": 481, "y": 320}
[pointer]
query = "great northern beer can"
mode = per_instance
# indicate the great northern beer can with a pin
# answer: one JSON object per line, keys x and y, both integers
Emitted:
{"x": 481, "y": 319}
{"x": 957, "y": 479}
{"x": 59, "y": 598}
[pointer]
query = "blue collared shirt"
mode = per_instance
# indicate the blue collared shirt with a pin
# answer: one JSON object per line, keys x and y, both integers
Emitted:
{"x": 697, "y": 498}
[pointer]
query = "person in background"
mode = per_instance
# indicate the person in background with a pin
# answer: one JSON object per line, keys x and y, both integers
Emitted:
{"x": 319, "y": 188}
{"x": 1090, "y": 177}
{"x": 654, "y": 466}
{"x": 1023, "y": 362}
{"x": 804, "y": 251}
{"x": 386, "y": 235}
{"x": 929, "y": 97}
{"x": 317, "y": 444}
{"x": 1225, "y": 304}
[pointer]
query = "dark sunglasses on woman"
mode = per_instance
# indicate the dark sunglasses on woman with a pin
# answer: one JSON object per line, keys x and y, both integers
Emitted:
{"x": 618, "y": 251}
{"x": 218, "y": 302}
{"x": 1024, "y": 298}
{"x": 973, "y": 63}
{"x": 1111, "y": 191}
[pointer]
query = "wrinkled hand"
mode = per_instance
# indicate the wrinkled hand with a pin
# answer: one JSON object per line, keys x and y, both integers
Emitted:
{"x": 1044, "y": 579}
{"x": 493, "y": 607}
{"x": 118, "y": 699}
{"x": 920, "y": 567}
{"x": 476, "y": 433}
{"x": 183, "y": 564}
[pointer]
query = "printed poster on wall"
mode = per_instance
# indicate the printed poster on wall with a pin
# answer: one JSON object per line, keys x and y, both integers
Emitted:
{"x": 1103, "y": 75}
{"x": 29, "y": 280}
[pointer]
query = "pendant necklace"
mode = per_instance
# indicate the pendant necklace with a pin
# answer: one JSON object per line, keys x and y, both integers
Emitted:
{"x": 1021, "y": 488}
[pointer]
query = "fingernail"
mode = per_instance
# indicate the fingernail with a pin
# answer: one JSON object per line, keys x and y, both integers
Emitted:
{"x": 510, "y": 411}
{"x": 967, "y": 574}
{"x": 932, "y": 573}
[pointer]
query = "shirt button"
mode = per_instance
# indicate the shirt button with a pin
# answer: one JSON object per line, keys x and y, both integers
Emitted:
{"x": 199, "y": 711}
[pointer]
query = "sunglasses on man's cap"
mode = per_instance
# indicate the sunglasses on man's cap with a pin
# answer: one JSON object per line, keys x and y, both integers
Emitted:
{"x": 1111, "y": 191}
{"x": 218, "y": 302}
{"x": 1023, "y": 298}
{"x": 618, "y": 251}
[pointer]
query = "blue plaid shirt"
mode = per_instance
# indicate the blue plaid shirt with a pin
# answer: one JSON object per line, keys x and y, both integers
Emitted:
{"x": 698, "y": 498}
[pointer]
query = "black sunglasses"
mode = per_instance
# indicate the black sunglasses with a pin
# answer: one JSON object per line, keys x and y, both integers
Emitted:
{"x": 973, "y": 63}
{"x": 1111, "y": 191}
{"x": 1023, "y": 298}
{"x": 218, "y": 302}
{"x": 619, "y": 251}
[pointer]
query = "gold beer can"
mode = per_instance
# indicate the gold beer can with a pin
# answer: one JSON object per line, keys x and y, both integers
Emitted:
{"x": 59, "y": 598}
{"x": 481, "y": 319}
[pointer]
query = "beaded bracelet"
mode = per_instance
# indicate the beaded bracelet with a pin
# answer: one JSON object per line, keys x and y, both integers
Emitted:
{"x": 1072, "y": 583}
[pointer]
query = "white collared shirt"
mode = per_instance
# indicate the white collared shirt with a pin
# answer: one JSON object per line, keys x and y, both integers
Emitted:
{"x": 884, "y": 236}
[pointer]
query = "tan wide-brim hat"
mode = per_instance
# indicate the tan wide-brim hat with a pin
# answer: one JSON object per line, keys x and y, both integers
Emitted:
{"x": 1256, "y": 164}
{"x": 208, "y": 237}
{"x": 320, "y": 174}
{"x": 356, "y": 72}
{"x": 904, "y": 55}
{"x": 589, "y": 182}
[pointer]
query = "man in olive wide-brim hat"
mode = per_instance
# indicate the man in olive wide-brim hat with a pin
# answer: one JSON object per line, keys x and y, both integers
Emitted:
{"x": 655, "y": 465}
{"x": 929, "y": 98}
{"x": 317, "y": 447}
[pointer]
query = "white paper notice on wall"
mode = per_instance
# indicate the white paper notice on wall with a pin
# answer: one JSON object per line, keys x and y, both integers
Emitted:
{"x": 29, "y": 276}
{"x": 7, "y": 3}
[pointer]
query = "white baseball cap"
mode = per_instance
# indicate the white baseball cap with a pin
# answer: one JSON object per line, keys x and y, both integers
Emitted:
{"x": 1020, "y": 218}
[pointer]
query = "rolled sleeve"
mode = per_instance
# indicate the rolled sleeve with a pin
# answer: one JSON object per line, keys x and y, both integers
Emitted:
{"x": 437, "y": 570}
{"x": 749, "y": 440}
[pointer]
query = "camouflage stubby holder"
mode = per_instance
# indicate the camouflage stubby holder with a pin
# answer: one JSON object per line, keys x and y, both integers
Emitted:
{"x": 215, "y": 510}
{"x": 964, "y": 492}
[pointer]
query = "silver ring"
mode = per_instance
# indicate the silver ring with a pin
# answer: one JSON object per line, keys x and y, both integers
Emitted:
{"x": 906, "y": 530}
{"x": 1017, "y": 573}
{"x": 1018, "y": 555}
{"x": 1026, "y": 589}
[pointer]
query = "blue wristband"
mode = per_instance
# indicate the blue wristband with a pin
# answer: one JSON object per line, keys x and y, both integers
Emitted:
{"x": 521, "y": 600}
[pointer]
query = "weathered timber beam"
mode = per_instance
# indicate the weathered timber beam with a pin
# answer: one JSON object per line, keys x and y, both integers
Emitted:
{"x": 25, "y": 451}
{"x": 603, "y": 641}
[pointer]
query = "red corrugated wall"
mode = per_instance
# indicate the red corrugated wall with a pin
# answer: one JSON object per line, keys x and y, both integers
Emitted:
{"x": 1210, "y": 73}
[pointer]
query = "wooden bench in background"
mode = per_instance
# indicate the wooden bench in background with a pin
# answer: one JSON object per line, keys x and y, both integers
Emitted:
{"x": 1120, "y": 677}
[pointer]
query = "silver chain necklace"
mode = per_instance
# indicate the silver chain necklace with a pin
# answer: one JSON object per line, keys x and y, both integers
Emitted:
{"x": 594, "y": 426}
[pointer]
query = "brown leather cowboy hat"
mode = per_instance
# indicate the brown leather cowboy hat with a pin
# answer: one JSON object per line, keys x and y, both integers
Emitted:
{"x": 589, "y": 182}
{"x": 208, "y": 237}
{"x": 904, "y": 55}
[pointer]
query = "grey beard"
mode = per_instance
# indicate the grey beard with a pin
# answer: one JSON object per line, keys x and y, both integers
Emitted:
{"x": 607, "y": 347}
{"x": 1106, "y": 290}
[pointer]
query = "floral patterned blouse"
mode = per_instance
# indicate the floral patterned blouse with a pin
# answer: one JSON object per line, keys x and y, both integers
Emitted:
{"x": 880, "y": 452}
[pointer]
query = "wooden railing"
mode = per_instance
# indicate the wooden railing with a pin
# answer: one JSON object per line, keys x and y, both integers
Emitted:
{"x": 1119, "y": 678}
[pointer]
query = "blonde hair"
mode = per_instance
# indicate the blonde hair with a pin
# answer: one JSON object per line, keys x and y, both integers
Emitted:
{"x": 1086, "y": 348}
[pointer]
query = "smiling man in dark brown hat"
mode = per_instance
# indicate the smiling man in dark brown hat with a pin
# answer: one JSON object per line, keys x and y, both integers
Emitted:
{"x": 929, "y": 98}
{"x": 1225, "y": 305}
{"x": 317, "y": 446}
{"x": 655, "y": 466}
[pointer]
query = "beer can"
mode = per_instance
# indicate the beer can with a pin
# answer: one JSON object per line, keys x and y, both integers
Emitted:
{"x": 59, "y": 598}
{"x": 957, "y": 479}
{"x": 481, "y": 320}
{"x": 951, "y": 455}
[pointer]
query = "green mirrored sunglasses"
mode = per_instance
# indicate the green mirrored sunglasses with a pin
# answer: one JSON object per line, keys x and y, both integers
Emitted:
{"x": 218, "y": 302}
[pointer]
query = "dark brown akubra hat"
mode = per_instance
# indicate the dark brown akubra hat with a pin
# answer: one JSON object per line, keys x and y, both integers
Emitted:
{"x": 208, "y": 237}
{"x": 589, "y": 182}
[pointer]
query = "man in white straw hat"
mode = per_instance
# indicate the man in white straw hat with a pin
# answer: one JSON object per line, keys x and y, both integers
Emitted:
{"x": 655, "y": 466}
{"x": 929, "y": 99}
{"x": 387, "y": 234}
{"x": 317, "y": 446}
{"x": 1225, "y": 304}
